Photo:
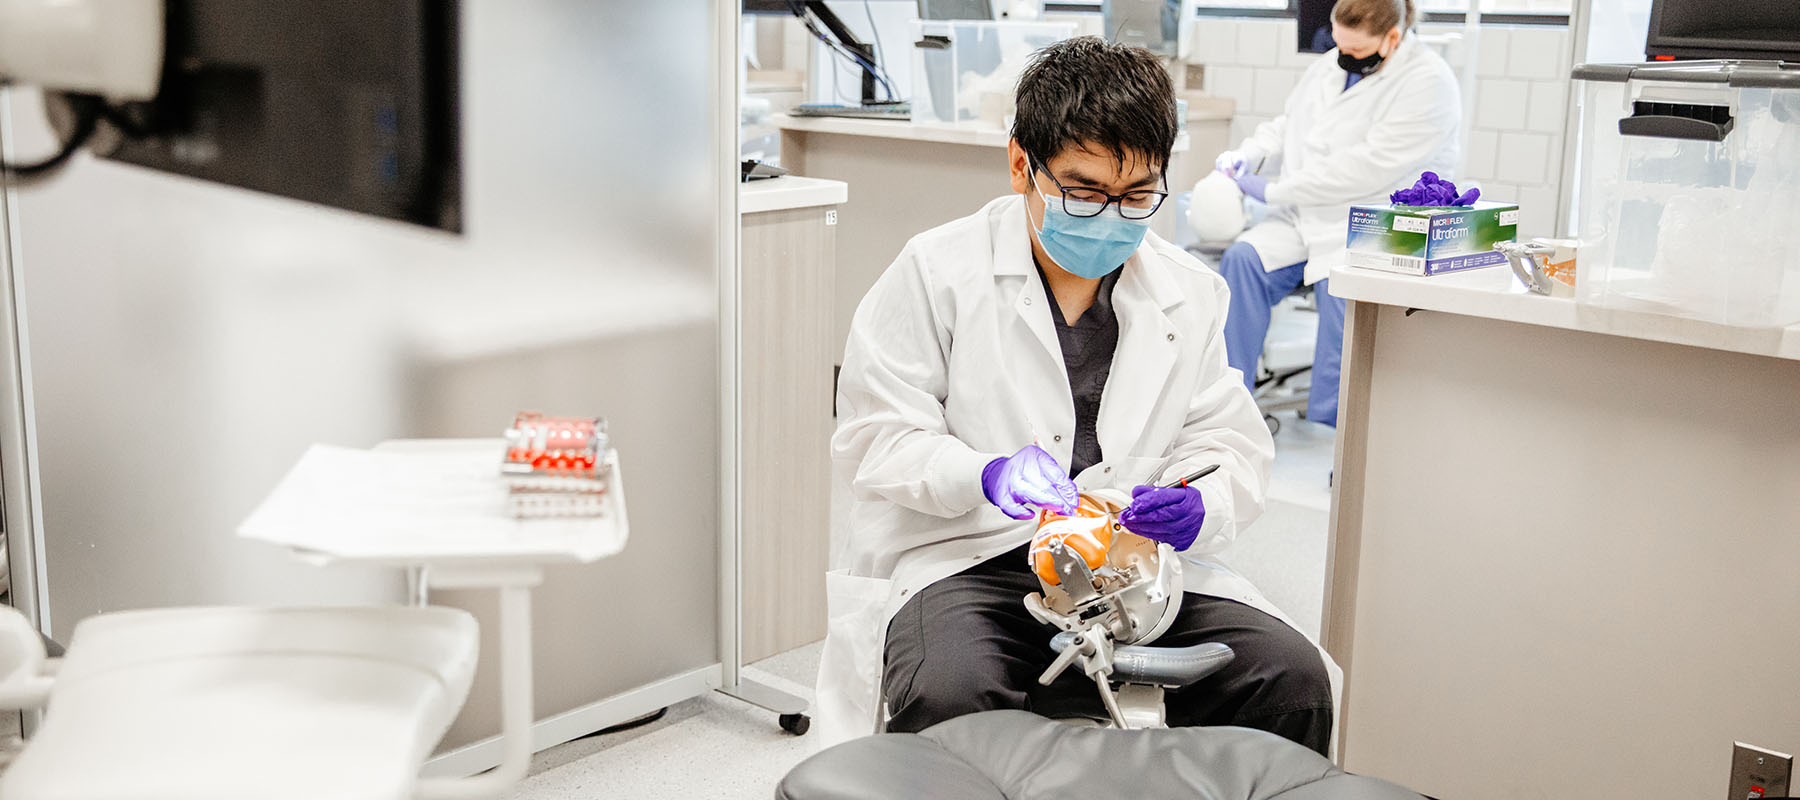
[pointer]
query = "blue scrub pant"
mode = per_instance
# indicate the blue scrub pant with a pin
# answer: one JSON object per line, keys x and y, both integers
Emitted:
{"x": 1254, "y": 294}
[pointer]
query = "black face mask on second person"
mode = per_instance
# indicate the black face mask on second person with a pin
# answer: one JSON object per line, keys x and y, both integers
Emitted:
{"x": 1364, "y": 66}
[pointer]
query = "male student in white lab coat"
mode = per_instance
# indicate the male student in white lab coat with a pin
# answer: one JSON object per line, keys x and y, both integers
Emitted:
{"x": 1365, "y": 119}
{"x": 1048, "y": 335}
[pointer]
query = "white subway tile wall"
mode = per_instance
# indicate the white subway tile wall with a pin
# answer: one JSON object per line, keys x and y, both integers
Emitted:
{"x": 1523, "y": 156}
{"x": 1522, "y": 92}
{"x": 1548, "y": 101}
{"x": 1501, "y": 104}
{"x": 1272, "y": 89}
{"x": 1484, "y": 153}
{"x": 1237, "y": 83}
{"x": 1257, "y": 40}
{"x": 1515, "y": 151}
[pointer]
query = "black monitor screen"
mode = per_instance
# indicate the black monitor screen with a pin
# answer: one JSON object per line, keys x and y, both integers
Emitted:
{"x": 1315, "y": 26}
{"x": 1725, "y": 29}
{"x": 768, "y": 7}
{"x": 348, "y": 103}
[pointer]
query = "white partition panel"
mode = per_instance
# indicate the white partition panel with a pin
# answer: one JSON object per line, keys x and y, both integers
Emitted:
{"x": 188, "y": 340}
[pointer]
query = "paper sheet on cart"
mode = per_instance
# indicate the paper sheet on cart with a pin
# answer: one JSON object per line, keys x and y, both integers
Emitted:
{"x": 439, "y": 504}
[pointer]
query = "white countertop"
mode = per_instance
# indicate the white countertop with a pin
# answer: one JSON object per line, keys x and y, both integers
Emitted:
{"x": 1494, "y": 293}
{"x": 977, "y": 134}
{"x": 790, "y": 191}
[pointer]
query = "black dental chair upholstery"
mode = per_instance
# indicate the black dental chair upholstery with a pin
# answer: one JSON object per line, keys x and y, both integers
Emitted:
{"x": 1018, "y": 755}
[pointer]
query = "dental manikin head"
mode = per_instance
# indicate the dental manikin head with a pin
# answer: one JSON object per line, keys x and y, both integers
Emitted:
{"x": 1091, "y": 141}
{"x": 1092, "y": 569}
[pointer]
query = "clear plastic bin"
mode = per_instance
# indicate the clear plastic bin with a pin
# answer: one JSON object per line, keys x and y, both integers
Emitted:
{"x": 1689, "y": 190}
{"x": 965, "y": 70}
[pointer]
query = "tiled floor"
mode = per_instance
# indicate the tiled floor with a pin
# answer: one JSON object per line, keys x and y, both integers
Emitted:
{"x": 716, "y": 747}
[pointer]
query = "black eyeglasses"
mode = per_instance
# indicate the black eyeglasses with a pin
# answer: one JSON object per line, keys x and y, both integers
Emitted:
{"x": 1081, "y": 201}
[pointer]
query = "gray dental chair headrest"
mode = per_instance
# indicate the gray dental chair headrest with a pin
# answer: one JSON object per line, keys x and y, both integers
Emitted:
{"x": 1017, "y": 755}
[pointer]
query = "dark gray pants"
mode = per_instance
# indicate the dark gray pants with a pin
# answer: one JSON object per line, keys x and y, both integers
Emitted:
{"x": 966, "y": 644}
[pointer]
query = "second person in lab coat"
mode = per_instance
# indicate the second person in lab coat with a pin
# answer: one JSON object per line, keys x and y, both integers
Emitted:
{"x": 1365, "y": 119}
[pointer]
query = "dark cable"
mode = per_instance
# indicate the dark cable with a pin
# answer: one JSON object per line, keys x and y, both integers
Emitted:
{"x": 637, "y": 722}
{"x": 118, "y": 117}
{"x": 799, "y": 9}
{"x": 87, "y": 119}
{"x": 880, "y": 55}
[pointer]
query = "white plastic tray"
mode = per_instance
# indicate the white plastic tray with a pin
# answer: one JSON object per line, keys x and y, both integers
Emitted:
{"x": 424, "y": 502}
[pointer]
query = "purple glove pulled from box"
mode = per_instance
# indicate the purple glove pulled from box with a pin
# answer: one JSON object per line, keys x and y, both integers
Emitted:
{"x": 1433, "y": 191}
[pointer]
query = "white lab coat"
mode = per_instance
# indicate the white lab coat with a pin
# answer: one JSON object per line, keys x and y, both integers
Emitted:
{"x": 1337, "y": 148}
{"x": 953, "y": 361}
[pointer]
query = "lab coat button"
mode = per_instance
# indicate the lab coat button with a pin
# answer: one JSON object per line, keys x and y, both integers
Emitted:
{"x": 1027, "y": 301}
{"x": 1171, "y": 337}
{"x": 1108, "y": 470}
{"x": 1057, "y": 437}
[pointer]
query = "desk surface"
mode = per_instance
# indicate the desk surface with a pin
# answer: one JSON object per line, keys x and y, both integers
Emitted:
{"x": 976, "y": 134}
{"x": 789, "y": 192}
{"x": 1494, "y": 293}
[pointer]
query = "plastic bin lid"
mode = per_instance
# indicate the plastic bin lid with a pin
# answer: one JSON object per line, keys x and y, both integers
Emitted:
{"x": 1737, "y": 74}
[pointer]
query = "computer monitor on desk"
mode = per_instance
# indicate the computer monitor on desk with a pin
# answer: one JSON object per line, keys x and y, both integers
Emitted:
{"x": 838, "y": 38}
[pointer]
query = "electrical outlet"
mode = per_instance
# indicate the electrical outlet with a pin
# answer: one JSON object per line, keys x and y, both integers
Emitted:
{"x": 1194, "y": 77}
{"x": 1757, "y": 773}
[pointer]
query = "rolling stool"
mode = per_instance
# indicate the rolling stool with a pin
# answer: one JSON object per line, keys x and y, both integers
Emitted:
{"x": 1284, "y": 382}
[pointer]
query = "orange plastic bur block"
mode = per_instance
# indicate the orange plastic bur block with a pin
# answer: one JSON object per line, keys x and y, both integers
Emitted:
{"x": 571, "y": 447}
{"x": 1088, "y": 533}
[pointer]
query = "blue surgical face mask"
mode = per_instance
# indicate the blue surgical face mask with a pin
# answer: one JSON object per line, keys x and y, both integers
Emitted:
{"x": 1090, "y": 247}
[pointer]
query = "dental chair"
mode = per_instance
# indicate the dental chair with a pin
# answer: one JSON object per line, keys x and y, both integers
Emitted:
{"x": 1018, "y": 755}
{"x": 216, "y": 703}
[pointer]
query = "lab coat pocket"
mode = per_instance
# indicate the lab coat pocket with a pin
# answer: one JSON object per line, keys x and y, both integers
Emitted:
{"x": 847, "y": 700}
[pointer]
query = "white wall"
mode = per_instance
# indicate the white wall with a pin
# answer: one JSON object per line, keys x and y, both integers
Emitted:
{"x": 188, "y": 340}
{"x": 1515, "y": 150}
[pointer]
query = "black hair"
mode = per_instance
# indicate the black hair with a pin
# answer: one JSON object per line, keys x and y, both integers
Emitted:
{"x": 1088, "y": 92}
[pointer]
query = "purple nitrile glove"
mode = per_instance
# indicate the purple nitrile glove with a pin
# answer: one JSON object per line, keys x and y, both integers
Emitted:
{"x": 1252, "y": 184}
{"x": 1030, "y": 477}
{"x": 1170, "y": 514}
{"x": 1431, "y": 190}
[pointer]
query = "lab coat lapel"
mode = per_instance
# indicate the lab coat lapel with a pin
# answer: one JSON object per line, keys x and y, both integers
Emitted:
{"x": 1147, "y": 350}
{"x": 1016, "y": 279}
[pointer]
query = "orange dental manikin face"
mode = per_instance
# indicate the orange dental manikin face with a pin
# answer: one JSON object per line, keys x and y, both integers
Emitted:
{"x": 1089, "y": 532}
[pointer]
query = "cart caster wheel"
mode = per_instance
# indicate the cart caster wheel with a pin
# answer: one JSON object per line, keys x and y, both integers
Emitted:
{"x": 1273, "y": 423}
{"x": 796, "y": 724}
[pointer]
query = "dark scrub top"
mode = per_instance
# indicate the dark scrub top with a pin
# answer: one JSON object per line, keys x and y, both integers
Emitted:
{"x": 1087, "y": 348}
